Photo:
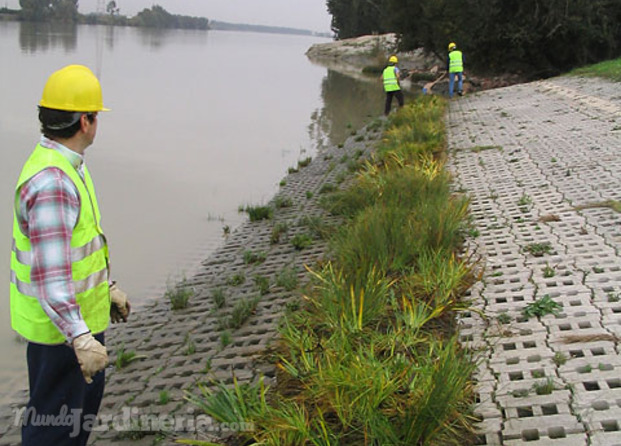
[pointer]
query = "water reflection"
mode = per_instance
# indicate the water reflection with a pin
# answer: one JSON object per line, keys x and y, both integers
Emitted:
{"x": 109, "y": 36}
{"x": 156, "y": 39}
{"x": 348, "y": 104}
{"x": 41, "y": 37}
{"x": 153, "y": 38}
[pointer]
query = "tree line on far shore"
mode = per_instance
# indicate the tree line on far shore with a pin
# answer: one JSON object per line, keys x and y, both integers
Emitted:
{"x": 67, "y": 11}
{"x": 533, "y": 37}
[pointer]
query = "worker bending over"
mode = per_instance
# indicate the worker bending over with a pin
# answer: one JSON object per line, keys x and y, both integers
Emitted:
{"x": 392, "y": 87}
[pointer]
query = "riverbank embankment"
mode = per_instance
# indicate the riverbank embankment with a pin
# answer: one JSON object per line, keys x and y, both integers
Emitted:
{"x": 161, "y": 353}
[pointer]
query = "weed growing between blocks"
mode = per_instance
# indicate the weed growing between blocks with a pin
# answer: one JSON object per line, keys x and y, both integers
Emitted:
{"x": 371, "y": 357}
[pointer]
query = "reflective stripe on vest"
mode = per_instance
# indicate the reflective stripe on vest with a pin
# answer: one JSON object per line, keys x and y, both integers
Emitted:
{"x": 89, "y": 260}
{"x": 390, "y": 79}
{"x": 456, "y": 62}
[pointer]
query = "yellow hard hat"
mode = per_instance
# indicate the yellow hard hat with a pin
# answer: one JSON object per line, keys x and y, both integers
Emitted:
{"x": 393, "y": 59}
{"x": 73, "y": 88}
{"x": 452, "y": 46}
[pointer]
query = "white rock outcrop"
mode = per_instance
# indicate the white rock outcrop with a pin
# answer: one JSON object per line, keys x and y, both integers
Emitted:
{"x": 369, "y": 51}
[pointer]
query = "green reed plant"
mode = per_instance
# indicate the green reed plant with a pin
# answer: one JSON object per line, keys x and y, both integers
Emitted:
{"x": 348, "y": 202}
{"x": 278, "y": 230}
{"x": 283, "y": 202}
{"x": 304, "y": 162}
{"x": 442, "y": 224}
{"x": 252, "y": 257}
{"x": 350, "y": 304}
{"x": 241, "y": 312}
{"x": 164, "y": 397}
{"x": 559, "y": 359}
{"x": 262, "y": 283}
{"x": 362, "y": 386}
{"x": 545, "y": 387}
{"x": 539, "y": 249}
{"x": 236, "y": 279}
{"x": 441, "y": 391}
{"x": 301, "y": 241}
{"x": 327, "y": 188}
{"x": 293, "y": 426}
{"x": 412, "y": 316}
{"x": 317, "y": 226}
{"x": 300, "y": 359}
{"x": 394, "y": 183}
{"x": 237, "y": 404}
{"x": 218, "y": 297}
{"x": 287, "y": 278}
{"x": 124, "y": 357}
{"x": 179, "y": 295}
{"x": 190, "y": 345}
{"x": 439, "y": 279}
{"x": 354, "y": 388}
{"x": 256, "y": 213}
{"x": 419, "y": 129}
{"x": 378, "y": 238}
{"x": 225, "y": 338}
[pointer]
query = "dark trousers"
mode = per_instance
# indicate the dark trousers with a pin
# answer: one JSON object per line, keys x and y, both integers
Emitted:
{"x": 58, "y": 389}
{"x": 389, "y": 94}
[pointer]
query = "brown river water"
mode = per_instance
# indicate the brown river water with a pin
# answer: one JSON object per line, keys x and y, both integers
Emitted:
{"x": 202, "y": 122}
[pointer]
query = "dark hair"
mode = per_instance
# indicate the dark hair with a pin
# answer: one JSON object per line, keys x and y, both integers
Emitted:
{"x": 60, "y": 123}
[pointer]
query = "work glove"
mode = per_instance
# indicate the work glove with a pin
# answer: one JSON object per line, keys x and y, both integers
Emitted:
{"x": 120, "y": 308}
{"x": 92, "y": 356}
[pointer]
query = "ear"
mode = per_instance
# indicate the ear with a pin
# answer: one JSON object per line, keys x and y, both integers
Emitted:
{"x": 84, "y": 122}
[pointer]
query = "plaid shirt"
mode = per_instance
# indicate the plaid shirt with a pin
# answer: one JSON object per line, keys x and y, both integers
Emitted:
{"x": 47, "y": 208}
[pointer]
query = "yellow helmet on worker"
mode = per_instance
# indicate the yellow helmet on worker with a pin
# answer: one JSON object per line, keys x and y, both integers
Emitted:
{"x": 393, "y": 59}
{"x": 452, "y": 46}
{"x": 73, "y": 88}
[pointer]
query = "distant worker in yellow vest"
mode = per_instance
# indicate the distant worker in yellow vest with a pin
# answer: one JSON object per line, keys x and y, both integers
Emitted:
{"x": 61, "y": 296}
{"x": 392, "y": 87}
{"x": 455, "y": 68}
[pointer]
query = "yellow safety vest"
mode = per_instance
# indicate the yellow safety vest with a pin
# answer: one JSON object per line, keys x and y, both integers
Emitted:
{"x": 456, "y": 62}
{"x": 89, "y": 260}
{"x": 390, "y": 79}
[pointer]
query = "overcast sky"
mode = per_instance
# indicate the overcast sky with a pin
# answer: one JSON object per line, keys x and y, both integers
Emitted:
{"x": 303, "y": 14}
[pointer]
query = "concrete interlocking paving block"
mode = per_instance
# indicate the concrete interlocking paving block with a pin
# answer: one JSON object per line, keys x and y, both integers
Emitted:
{"x": 489, "y": 432}
{"x": 548, "y": 168}
{"x": 605, "y": 422}
{"x": 553, "y": 427}
{"x": 564, "y": 440}
{"x": 606, "y": 439}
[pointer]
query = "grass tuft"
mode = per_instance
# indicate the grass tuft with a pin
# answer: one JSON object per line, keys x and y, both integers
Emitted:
{"x": 257, "y": 213}
{"x": 541, "y": 307}
{"x": 179, "y": 295}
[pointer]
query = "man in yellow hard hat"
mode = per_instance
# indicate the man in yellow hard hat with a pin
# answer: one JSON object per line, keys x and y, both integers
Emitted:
{"x": 455, "y": 69}
{"x": 392, "y": 87}
{"x": 61, "y": 296}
